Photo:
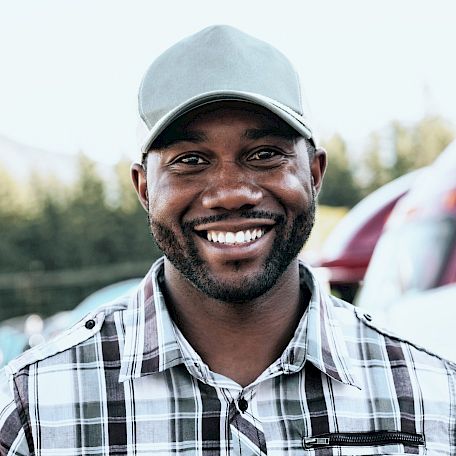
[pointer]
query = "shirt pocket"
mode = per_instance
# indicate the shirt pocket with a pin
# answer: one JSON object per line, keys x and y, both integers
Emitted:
{"x": 364, "y": 443}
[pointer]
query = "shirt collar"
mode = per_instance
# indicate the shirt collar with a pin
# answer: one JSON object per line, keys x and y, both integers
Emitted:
{"x": 319, "y": 338}
{"x": 151, "y": 344}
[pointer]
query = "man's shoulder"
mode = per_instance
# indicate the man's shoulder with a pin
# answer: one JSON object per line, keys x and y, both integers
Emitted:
{"x": 370, "y": 339}
{"x": 80, "y": 336}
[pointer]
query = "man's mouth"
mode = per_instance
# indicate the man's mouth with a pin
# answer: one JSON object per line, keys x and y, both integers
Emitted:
{"x": 234, "y": 232}
{"x": 238, "y": 237}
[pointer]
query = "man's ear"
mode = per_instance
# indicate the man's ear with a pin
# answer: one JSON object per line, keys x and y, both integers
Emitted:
{"x": 138, "y": 175}
{"x": 318, "y": 168}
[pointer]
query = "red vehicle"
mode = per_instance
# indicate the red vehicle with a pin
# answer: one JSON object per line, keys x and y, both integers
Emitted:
{"x": 348, "y": 249}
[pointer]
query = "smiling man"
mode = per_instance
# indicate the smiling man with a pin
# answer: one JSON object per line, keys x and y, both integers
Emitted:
{"x": 230, "y": 191}
{"x": 229, "y": 345}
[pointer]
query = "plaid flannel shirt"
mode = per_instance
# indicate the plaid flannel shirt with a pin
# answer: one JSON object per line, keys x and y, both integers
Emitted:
{"x": 124, "y": 381}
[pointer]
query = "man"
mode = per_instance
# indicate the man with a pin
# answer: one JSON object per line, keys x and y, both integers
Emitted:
{"x": 229, "y": 345}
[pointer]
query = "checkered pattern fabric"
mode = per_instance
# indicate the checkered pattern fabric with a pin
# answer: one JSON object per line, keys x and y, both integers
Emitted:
{"x": 130, "y": 384}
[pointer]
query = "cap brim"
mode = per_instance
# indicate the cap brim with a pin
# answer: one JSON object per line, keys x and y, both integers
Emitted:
{"x": 295, "y": 120}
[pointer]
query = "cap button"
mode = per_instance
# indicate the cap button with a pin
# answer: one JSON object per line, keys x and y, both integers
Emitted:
{"x": 90, "y": 324}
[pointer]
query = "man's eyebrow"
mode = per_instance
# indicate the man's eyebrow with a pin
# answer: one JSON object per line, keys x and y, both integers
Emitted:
{"x": 260, "y": 133}
{"x": 170, "y": 138}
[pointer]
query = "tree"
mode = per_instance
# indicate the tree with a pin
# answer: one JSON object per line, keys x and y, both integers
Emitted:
{"x": 125, "y": 198}
{"x": 411, "y": 147}
{"x": 419, "y": 145}
{"x": 339, "y": 187}
{"x": 376, "y": 171}
{"x": 12, "y": 214}
{"x": 74, "y": 236}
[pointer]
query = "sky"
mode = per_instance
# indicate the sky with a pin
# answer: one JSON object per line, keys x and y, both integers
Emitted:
{"x": 70, "y": 70}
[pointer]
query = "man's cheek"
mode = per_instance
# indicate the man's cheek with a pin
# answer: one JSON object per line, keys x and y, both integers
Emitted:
{"x": 297, "y": 195}
{"x": 158, "y": 212}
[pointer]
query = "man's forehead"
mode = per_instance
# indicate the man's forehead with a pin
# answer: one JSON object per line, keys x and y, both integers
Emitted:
{"x": 194, "y": 126}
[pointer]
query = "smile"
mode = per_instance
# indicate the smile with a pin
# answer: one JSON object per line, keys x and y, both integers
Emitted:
{"x": 239, "y": 237}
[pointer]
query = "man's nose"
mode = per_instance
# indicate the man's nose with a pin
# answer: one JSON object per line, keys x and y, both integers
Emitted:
{"x": 230, "y": 189}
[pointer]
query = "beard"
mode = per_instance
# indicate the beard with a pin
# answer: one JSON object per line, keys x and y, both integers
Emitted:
{"x": 288, "y": 242}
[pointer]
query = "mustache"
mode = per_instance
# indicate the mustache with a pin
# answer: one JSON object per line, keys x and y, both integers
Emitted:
{"x": 250, "y": 214}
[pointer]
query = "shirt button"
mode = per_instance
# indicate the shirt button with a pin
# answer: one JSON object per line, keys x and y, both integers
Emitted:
{"x": 367, "y": 317}
{"x": 90, "y": 324}
{"x": 243, "y": 405}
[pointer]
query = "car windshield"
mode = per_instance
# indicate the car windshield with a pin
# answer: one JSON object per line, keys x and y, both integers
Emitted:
{"x": 406, "y": 259}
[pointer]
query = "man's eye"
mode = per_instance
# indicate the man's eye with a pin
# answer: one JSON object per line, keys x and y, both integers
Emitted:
{"x": 264, "y": 154}
{"x": 191, "y": 160}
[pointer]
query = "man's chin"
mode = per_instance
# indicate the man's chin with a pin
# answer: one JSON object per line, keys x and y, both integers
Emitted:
{"x": 236, "y": 283}
{"x": 240, "y": 289}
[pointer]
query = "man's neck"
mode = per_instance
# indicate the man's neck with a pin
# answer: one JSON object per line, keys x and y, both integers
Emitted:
{"x": 238, "y": 340}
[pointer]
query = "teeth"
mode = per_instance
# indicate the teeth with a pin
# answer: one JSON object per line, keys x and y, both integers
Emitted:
{"x": 240, "y": 237}
{"x": 230, "y": 238}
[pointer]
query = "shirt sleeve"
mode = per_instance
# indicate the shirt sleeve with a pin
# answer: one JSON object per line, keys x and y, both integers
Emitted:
{"x": 13, "y": 440}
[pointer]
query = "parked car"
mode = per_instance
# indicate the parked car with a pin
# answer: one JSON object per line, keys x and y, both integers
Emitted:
{"x": 63, "y": 320}
{"x": 19, "y": 334}
{"x": 410, "y": 284}
{"x": 348, "y": 249}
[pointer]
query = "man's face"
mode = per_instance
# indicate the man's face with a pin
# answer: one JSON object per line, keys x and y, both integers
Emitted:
{"x": 230, "y": 198}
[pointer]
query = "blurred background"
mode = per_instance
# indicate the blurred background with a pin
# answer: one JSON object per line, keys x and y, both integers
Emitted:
{"x": 379, "y": 82}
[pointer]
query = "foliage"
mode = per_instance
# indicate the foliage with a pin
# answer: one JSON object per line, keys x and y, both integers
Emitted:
{"x": 396, "y": 150}
{"x": 376, "y": 172}
{"x": 65, "y": 228}
{"x": 411, "y": 147}
{"x": 70, "y": 229}
{"x": 340, "y": 187}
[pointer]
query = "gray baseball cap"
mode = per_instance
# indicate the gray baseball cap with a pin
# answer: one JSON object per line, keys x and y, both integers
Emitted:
{"x": 215, "y": 64}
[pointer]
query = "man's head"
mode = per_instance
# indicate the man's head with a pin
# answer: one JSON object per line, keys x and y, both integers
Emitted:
{"x": 229, "y": 182}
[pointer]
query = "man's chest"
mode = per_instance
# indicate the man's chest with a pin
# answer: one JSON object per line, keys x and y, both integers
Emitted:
{"x": 174, "y": 412}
